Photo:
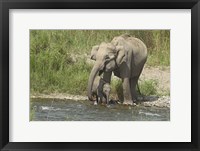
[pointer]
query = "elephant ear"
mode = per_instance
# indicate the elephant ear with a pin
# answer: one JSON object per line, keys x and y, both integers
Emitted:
{"x": 94, "y": 52}
{"x": 121, "y": 55}
{"x": 111, "y": 50}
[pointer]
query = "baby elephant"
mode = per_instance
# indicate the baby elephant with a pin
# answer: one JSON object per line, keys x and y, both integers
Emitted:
{"x": 101, "y": 90}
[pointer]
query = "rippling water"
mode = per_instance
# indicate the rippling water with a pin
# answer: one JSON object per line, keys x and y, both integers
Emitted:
{"x": 70, "y": 110}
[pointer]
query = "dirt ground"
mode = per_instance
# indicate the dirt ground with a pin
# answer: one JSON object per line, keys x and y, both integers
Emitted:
{"x": 160, "y": 74}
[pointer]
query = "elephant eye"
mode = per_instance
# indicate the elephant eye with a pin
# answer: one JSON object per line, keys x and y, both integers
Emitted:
{"x": 107, "y": 57}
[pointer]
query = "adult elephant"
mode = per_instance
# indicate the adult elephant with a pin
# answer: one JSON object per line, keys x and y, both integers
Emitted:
{"x": 125, "y": 56}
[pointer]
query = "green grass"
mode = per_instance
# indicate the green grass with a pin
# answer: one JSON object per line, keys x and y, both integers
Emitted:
{"x": 72, "y": 78}
{"x": 58, "y": 65}
{"x": 164, "y": 93}
{"x": 148, "y": 87}
{"x": 117, "y": 89}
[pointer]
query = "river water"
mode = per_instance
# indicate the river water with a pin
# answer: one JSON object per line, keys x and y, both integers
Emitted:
{"x": 71, "y": 110}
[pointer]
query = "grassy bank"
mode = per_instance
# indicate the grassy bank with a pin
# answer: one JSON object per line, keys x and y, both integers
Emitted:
{"x": 58, "y": 58}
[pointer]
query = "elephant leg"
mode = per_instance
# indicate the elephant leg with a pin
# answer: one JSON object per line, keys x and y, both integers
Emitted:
{"x": 107, "y": 99}
{"x": 103, "y": 100}
{"x": 96, "y": 101}
{"x": 133, "y": 82}
{"x": 100, "y": 100}
{"x": 127, "y": 92}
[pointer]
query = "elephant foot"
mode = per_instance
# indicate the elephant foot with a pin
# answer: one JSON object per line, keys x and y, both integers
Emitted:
{"x": 129, "y": 102}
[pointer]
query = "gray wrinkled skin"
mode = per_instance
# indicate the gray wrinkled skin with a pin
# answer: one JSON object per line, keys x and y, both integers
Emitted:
{"x": 100, "y": 90}
{"x": 125, "y": 56}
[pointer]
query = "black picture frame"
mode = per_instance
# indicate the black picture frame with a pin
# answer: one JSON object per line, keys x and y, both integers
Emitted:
{"x": 5, "y": 5}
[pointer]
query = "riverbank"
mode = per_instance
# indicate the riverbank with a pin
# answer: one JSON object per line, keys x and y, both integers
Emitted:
{"x": 147, "y": 101}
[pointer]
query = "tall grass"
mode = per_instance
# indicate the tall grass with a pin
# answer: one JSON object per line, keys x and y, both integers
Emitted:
{"x": 58, "y": 57}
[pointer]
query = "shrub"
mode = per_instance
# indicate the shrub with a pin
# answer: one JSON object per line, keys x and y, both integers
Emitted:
{"x": 148, "y": 87}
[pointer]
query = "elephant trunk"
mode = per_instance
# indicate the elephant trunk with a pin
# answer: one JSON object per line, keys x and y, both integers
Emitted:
{"x": 93, "y": 74}
{"x": 107, "y": 98}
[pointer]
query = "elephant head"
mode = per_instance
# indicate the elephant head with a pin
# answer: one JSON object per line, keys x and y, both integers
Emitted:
{"x": 107, "y": 57}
